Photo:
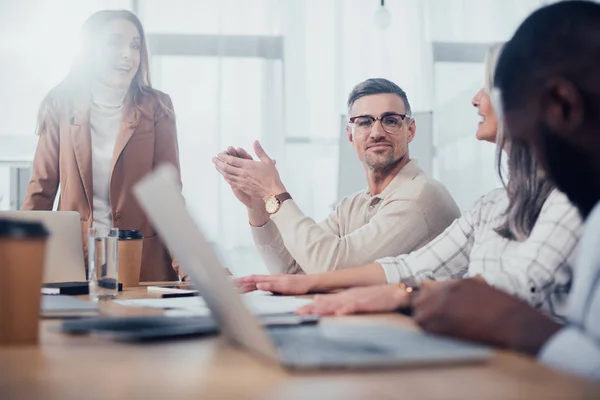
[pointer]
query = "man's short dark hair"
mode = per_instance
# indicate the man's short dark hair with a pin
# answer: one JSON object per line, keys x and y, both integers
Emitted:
{"x": 377, "y": 86}
{"x": 561, "y": 39}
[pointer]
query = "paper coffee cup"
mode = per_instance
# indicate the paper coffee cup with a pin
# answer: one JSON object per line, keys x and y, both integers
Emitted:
{"x": 22, "y": 250}
{"x": 130, "y": 257}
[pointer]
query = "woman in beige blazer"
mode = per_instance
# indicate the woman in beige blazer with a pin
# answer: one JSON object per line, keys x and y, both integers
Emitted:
{"x": 100, "y": 131}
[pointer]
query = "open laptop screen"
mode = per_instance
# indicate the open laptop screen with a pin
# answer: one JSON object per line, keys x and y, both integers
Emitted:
{"x": 160, "y": 196}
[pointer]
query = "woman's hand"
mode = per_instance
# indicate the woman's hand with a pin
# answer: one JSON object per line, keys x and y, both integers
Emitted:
{"x": 281, "y": 284}
{"x": 381, "y": 298}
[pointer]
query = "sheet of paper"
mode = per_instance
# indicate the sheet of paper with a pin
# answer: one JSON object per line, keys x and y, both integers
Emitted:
{"x": 175, "y": 302}
{"x": 267, "y": 305}
{"x": 259, "y": 304}
{"x": 188, "y": 312}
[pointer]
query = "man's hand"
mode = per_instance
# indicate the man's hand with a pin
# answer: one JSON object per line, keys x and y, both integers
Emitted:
{"x": 180, "y": 273}
{"x": 257, "y": 179}
{"x": 245, "y": 198}
{"x": 473, "y": 310}
{"x": 281, "y": 284}
{"x": 256, "y": 206}
{"x": 380, "y": 298}
{"x": 183, "y": 276}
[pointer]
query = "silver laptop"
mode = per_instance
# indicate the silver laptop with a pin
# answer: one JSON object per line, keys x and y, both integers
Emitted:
{"x": 316, "y": 346}
{"x": 64, "y": 250}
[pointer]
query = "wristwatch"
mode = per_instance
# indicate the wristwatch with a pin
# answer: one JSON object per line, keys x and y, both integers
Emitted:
{"x": 273, "y": 202}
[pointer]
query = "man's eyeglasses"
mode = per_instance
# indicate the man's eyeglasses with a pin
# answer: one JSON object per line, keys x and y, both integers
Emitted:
{"x": 391, "y": 123}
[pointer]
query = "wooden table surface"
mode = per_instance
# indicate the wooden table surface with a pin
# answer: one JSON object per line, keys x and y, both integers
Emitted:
{"x": 84, "y": 367}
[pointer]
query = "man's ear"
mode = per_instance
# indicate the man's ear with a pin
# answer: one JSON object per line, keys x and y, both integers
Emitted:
{"x": 349, "y": 132}
{"x": 562, "y": 106}
{"x": 412, "y": 129}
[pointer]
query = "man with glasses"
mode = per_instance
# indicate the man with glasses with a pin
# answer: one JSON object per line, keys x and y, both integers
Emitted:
{"x": 401, "y": 210}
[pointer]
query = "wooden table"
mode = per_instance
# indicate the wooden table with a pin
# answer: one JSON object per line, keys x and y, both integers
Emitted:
{"x": 74, "y": 367}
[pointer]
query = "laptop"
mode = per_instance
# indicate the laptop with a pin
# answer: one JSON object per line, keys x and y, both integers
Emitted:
{"x": 64, "y": 250}
{"x": 298, "y": 347}
{"x": 61, "y": 306}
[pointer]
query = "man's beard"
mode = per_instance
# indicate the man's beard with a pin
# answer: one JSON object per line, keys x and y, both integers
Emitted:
{"x": 571, "y": 171}
{"x": 379, "y": 162}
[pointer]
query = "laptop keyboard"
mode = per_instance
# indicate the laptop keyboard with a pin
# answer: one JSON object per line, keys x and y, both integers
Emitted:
{"x": 325, "y": 347}
{"x": 309, "y": 343}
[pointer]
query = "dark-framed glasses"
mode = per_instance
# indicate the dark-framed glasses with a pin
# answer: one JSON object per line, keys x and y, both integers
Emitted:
{"x": 391, "y": 123}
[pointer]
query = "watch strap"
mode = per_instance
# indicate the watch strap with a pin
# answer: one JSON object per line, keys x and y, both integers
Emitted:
{"x": 283, "y": 197}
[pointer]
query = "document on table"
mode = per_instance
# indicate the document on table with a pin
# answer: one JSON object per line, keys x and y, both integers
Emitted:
{"x": 259, "y": 304}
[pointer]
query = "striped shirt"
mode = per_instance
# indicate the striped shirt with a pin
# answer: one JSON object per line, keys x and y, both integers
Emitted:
{"x": 538, "y": 269}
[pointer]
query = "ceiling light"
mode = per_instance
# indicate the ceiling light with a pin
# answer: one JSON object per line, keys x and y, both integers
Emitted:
{"x": 382, "y": 16}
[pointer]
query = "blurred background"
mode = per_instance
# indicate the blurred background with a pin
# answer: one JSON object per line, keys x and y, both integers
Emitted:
{"x": 278, "y": 71}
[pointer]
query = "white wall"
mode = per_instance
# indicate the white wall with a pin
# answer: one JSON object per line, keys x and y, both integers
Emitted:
{"x": 294, "y": 105}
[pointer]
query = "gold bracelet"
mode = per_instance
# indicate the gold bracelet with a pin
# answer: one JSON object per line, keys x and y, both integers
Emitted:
{"x": 410, "y": 292}
{"x": 410, "y": 282}
{"x": 408, "y": 289}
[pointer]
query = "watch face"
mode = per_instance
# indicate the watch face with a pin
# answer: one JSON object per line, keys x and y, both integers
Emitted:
{"x": 272, "y": 205}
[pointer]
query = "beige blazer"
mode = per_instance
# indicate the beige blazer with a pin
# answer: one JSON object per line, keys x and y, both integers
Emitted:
{"x": 64, "y": 157}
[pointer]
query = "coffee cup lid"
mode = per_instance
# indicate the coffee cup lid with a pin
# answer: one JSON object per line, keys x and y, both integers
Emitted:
{"x": 130, "y": 234}
{"x": 10, "y": 228}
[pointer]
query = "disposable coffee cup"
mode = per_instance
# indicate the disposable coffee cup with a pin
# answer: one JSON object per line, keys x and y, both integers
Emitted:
{"x": 22, "y": 251}
{"x": 130, "y": 257}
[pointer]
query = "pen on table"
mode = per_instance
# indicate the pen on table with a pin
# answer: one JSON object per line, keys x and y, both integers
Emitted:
{"x": 171, "y": 295}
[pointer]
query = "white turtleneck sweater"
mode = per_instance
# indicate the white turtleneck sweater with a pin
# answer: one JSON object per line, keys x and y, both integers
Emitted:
{"x": 106, "y": 113}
